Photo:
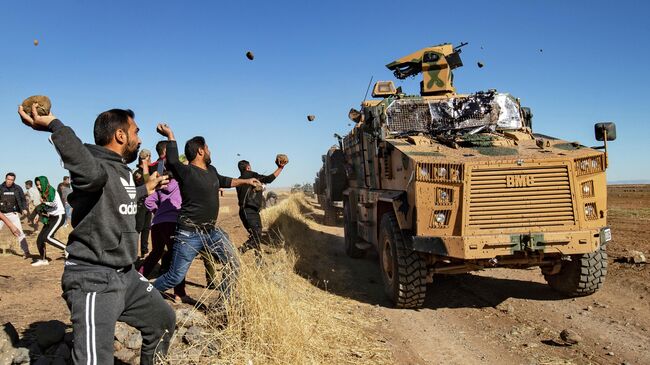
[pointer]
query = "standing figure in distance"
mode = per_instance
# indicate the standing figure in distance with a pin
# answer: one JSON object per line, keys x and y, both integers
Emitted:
{"x": 12, "y": 205}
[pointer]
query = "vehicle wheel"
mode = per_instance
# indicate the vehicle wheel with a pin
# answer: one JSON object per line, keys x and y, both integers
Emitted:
{"x": 581, "y": 276}
{"x": 403, "y": 271}
{"x": 350, "y": 232}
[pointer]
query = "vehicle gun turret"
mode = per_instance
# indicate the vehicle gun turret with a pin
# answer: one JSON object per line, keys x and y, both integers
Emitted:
{"x": 435, "y": 63}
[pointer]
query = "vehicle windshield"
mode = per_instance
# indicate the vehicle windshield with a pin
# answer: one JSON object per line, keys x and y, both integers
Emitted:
{"x": 475, "y": 113}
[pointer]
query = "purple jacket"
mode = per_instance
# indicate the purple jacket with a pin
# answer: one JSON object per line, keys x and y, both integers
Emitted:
{"x": 165, "y": 203}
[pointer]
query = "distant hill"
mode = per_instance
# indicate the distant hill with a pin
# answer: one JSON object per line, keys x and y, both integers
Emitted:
{"x": 628, "y": 182}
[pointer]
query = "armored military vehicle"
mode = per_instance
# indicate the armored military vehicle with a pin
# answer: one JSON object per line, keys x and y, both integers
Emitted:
{"x": 330, "y": 183}
{"x": 447, "y": 183}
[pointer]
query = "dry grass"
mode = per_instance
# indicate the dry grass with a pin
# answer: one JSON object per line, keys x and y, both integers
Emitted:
{"x": 278, "y": 317}
{"x": 639, "y": 213}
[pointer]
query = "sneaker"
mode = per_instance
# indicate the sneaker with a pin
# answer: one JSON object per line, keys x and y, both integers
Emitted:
{"x": 40, "y": 263}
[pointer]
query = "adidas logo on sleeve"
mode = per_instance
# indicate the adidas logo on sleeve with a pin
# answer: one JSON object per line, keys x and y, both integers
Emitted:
{"x": 129, "y": 186}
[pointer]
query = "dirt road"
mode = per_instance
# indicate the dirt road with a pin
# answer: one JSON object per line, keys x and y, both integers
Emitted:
{"x": 490, "y": 317}
{"x": 506, "y": 316}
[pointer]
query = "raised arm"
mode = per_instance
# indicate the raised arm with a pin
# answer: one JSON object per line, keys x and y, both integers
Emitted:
{"x": 88, "y": 174}
{"x": 270, "y": 178}
{"x": 175, "y": 165}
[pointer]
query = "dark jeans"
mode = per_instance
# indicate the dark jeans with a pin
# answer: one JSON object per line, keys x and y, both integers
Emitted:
{"x": 187, "y": 245}
{"x": 162, "y": 245}
{"x": 142, "y": 224}
{"x": 99, "y": 296}
{"x": 252, "y": 221}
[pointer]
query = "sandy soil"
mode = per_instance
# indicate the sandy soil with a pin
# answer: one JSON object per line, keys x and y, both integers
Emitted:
{"x": 493, "y": 316}
{"x": 29, "y": 295}
{"x": 512, "y": 316}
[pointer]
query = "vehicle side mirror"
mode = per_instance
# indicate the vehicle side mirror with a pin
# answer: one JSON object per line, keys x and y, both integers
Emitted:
{"x": 606, "y": 128}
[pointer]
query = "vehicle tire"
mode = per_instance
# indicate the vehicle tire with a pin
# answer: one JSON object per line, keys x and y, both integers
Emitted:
{"x": 403, "y": 271}
{"x": 581, "y": 276}
{"x": 350, "y": 233}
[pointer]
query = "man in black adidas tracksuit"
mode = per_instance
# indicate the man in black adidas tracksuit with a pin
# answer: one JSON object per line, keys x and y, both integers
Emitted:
{"x": 99, "y": 282}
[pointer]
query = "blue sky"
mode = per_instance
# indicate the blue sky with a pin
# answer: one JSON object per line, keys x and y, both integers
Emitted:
{"x": 184, "y": 63}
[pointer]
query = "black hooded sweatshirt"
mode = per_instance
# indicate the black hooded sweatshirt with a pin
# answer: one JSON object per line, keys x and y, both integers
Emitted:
{"x": 104, "y": 201}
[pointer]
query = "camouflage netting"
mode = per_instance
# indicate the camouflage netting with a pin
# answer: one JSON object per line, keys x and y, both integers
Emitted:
{"x": 44, "y": 104}
{"x": 483, "y": 111}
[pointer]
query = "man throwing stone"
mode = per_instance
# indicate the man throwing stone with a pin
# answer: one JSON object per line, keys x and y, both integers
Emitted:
{"x": 99, "y": 282}
{"x": 196, "y": 232}
{"x": 251, "y": 201}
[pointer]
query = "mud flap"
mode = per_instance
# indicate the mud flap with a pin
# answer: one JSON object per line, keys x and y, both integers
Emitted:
{"x": 430, "y": 245}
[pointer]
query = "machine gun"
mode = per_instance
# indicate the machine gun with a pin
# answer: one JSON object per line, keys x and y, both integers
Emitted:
{"x": 435, "y": 63}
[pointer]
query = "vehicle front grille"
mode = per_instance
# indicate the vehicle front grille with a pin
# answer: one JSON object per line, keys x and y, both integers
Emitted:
{"x": 523, "y": 197}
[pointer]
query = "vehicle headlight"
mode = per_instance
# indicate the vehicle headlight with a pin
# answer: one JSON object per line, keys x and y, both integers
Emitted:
{"x": 440, "y": 218}
{"x": 589, "y": 165}
{"x": 586, "y": 189}
{"x": 424, "y": 172}
{"x": 590, "y": 210}
{"x": 427, "y": 172}
{"x": 444, "y": 196}
{"x": 442, "y": 172}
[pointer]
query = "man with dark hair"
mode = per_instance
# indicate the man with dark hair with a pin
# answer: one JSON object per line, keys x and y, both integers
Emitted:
{"x": 64, "y": 189}
{"x": 251, "y": 202}
{"x": 99, "y": 282}
{"x": 196, "y": 232}
{"x": 12, "y": 205}
{"x": 161, "y": 150}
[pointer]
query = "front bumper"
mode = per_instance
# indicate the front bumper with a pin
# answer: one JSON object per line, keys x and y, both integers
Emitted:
{"x": 490, "y": 246}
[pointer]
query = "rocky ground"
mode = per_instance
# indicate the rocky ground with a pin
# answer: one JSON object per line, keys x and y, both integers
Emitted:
{"x": 493, "y": 316}
{"x": 512, "y": 316}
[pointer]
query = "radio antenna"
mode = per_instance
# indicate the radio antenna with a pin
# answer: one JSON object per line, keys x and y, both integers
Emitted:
{"x": 368, "y": 88}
